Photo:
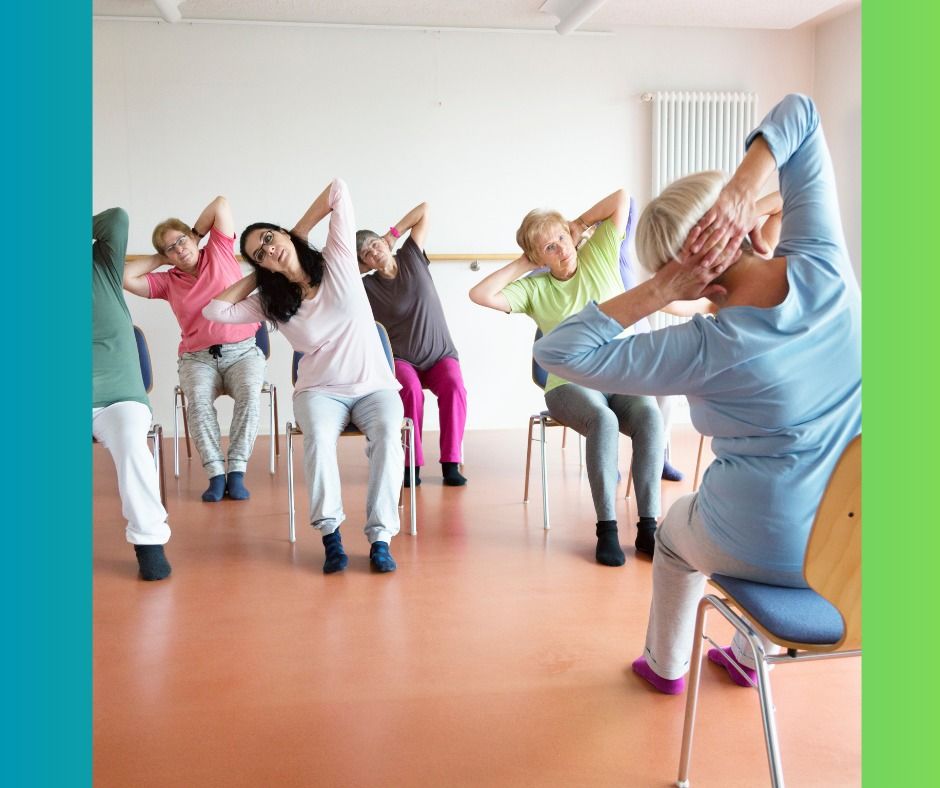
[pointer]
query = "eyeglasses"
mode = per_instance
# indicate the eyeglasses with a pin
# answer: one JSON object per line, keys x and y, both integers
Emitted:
{"x": 266, "y": 240}
{"x": 177, "y": 245}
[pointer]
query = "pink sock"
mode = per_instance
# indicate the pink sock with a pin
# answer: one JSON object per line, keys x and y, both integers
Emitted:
{"x": 667, "y": 686}
{"x": 725, "y": 657}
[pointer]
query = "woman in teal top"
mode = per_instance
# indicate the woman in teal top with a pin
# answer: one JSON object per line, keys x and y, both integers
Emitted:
{"x": 775, "y": 377}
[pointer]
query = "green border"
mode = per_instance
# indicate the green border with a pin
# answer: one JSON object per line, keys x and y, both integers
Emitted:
{"x": 901, "y": 532}
{"x": 46, "y": 594}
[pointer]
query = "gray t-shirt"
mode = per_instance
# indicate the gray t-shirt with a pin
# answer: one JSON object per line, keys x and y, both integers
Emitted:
{"x": 410, "y": 309}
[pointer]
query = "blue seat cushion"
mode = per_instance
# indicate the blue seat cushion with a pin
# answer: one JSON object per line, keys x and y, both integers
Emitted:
{"x": 797, "y": 615}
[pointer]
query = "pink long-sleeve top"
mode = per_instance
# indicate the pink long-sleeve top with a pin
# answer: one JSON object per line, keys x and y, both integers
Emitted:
{"x": 335, "y": 330}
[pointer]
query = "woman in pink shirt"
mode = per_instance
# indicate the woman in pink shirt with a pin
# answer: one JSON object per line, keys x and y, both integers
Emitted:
{"x": 214, "y": 359}
{"x": 318, "y": 303}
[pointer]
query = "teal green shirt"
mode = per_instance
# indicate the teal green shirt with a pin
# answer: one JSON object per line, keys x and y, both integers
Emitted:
{"x": 115, "y": 364}
{"x": 548, "y": 301}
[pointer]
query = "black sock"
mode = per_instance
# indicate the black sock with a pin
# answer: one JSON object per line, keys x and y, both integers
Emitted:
{"x": 216, "y": 489}
{"x": 336, "y": 559}
{"x": 152, "y": 561}
{"x": 646, "y": 535}
{"x": 381, "y": 558}
{"x": 417, "y": 476}
{"x": 608, "y": 550}
{"x": 452, "y": 475}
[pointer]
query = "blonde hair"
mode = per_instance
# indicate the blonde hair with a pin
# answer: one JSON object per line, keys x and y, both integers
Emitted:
{"x": 533, "y": 226}
{"x": 667, "y": 220}
{"x": 170, "y": 224}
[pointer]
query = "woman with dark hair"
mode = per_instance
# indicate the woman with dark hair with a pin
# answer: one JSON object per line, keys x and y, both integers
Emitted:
{"x": 213, "y": 359}
{"x": 317, "y": 302}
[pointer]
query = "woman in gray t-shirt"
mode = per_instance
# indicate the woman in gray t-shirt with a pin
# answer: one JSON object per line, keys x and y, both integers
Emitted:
{"x": 404, "y": 299}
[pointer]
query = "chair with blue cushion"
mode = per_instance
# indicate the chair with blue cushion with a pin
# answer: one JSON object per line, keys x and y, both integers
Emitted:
{"x": 823, "y": 621}
{"x": 408, "y": 441}
{"x": 263, "y": 341}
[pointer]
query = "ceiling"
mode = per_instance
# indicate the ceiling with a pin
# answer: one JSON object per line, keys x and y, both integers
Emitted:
{"x": 493, "y": 14}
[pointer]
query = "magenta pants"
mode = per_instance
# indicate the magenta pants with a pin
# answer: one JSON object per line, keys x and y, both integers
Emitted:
{"x": 446, "y": 383}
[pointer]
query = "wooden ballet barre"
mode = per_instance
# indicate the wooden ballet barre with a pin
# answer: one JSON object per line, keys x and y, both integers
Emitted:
{"x": 438, "y": 257}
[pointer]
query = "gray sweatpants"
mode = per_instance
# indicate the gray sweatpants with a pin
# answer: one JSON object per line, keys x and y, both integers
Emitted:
{"x": 238, "y": 372}
{"x": 685, "y": 555}
{"x": 378, "y": 415}
{"x": 600, "y": 418}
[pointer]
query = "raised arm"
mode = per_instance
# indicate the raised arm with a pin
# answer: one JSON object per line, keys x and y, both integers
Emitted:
{"x": 488, "y": 291}
{"x": 240, "y": 290}
{"x": 735, "y": 212}
{"x": 614, "y": 206}
{"x": 768, "y": 233}
{"x": 317, "y": 211}
{"x": 218, "y": 214}
{"x": 416, "y": 220}
{"x": 233, "y": 304}
{"x": 135, "y": 274}
{"x": 109, "y": 237}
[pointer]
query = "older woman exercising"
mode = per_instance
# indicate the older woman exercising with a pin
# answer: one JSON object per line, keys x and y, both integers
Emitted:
{"x": 775, "y": 377}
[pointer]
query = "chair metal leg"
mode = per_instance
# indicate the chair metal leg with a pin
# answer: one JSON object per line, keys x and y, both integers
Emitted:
{"x": 189, "y": 448}
{"x": 272, "y": 426}
{"x": 691, "y": 701}
{"x": 698, "y": 462}
{"x": 411, "y": 472}
{"x": 277, "y": 443}
{"x": 290, "y": 483}
{"x": 547, "y": 525}
{"x": 528, "y": 459}
{"x": 564, "y": 437}
{"x": 176, "y": 431}
{"x": 629, "y": 479}
{"x": 763, "y": 689}
{"x": 767, "y": 713}
{"x": 156, "y": 435}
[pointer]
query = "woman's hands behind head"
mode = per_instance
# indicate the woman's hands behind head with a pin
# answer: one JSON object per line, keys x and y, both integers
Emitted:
{"x": 733, "y": 216}
{"x": 693, "y": 276}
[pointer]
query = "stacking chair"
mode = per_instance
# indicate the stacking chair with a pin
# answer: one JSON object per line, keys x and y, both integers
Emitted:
{"x": 823, "y": 621}
{"x": 263, "y": 340}
{"x": 408, "y": 440}
{"x": 155, "y": 434}
{"x": 544, "y": 421}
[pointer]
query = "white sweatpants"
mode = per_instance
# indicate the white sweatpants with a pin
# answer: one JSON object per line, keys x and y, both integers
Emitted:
{"x": 122, "y": 429}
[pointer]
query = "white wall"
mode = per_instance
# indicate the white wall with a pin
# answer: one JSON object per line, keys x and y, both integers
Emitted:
{"x": 484, "y": 126}
{"x": 837, "y": 90}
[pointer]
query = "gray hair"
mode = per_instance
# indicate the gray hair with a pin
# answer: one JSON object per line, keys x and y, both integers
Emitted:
{"x": 666, "y": 221}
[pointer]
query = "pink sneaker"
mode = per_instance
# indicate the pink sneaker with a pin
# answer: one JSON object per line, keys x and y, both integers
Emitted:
{"x": 725, "y": 657}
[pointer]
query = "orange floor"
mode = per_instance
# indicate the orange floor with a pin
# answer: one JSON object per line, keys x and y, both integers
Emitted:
{"x": 496, "y": 655}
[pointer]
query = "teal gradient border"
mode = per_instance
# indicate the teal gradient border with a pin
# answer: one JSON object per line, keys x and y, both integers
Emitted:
{"x": 901, "y": 177}
{"x": 46, "y": 593}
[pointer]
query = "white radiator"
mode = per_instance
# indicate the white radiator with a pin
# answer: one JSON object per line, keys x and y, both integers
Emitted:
{"x": 695, "y": 131}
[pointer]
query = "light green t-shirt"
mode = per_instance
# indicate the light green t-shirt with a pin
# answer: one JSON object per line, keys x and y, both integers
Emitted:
{"x": 548, "y": 301}
{"x": 115, "y": 364}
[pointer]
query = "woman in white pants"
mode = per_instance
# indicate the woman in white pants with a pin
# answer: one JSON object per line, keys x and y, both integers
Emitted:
{"x": 120, "y": 416}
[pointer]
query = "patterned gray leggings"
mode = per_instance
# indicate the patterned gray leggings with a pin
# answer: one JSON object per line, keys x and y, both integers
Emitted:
{"x": 239, "y": 372}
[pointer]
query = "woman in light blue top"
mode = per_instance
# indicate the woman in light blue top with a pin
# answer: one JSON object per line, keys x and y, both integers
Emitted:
{"x": 775, "y": 376}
